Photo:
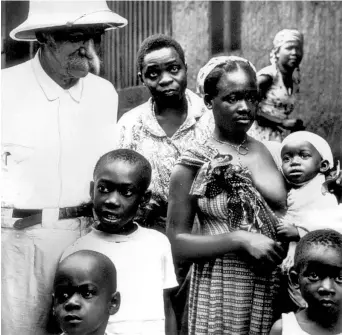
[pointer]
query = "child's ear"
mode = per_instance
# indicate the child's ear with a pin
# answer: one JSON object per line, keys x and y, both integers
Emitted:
{"x": 207, "y": 101}
{"x": 91, "y": 190}
{"x": 294, "y": 278}
{"x": 53, "y": 304}
{"x": 141, "y": 78}
{"x": 324, "y": 166}
{"x": 115, "y": 302}
{"x": 146, "y": 198}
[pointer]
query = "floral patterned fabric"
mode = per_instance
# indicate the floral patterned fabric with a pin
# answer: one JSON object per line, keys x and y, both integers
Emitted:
{"x": 139, "y": 130}
{"x": 228, "y": 295}
{"x": 279, "y": 102}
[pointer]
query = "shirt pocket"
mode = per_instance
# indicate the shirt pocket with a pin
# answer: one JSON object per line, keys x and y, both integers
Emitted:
{"x": 15, "y": 161}
{"x": 13, "y": 154}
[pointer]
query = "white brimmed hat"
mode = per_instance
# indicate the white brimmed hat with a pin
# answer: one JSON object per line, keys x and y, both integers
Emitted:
{"x": 58, "y": 14}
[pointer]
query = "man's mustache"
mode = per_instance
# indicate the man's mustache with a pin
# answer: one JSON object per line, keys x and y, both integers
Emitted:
{"x": 87, "y": 53}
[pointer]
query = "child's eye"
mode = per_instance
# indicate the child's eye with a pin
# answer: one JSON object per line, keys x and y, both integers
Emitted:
{"x": 232, "y": 99}
{"x": 174, "y": 69}
{"x": 126, "y": 192}
{"x": 102, "y": 189}
{"x": 305, "y": 155}
{"x": 87, "y": 294}
{"x": 286, "y": 159}
{"x": 62, "y": 296}
{"x": 339, "y": 278}
{"x": 313, "y": 276}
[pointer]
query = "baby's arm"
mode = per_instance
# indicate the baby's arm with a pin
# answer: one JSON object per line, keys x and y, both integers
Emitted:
{"x": 287, "y": 232}
{"x": 277, "y": 328}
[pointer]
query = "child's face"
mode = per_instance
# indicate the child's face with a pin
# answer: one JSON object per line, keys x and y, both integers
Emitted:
{"x": 82, "y": 300}
{"x": 320, "y": 279}
{"x": 290, "y": 54}
{"x": 116, "y": 195}
{"x": 164, "y": 74}
{"x": 300, "y": 161}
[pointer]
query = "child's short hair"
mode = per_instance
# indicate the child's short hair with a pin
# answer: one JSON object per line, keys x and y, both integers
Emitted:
{"x": 131, "y": 157}
{"x": 321, "y": 145}
{"x": 324, "y": 237}
{"x": 156, "y": 42}
{"x": 108, "y": 269}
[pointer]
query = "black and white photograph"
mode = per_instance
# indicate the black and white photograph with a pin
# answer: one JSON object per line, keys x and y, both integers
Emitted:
{"x": 171, "y": 167}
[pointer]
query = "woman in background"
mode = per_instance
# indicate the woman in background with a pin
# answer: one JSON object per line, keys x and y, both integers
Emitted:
{"x": 279, "y": 85}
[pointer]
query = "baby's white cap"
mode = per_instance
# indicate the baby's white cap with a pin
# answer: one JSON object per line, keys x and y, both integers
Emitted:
{"x": 317, "y": 141}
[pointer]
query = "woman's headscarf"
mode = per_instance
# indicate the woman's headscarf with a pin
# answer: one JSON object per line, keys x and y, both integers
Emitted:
{"x": 282, "y": 37}
{"x": 212, "y": 63}
{"x": 317, "y": 141}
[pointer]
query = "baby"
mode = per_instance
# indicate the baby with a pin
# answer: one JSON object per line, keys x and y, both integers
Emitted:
{"x": 85, "y": 293}
{"x": 306, "y": 160}
{"x": 317, "y": 272}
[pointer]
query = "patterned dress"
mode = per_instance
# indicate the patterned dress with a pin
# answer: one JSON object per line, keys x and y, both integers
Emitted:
{"x": 227, "y": 295}
{"x": 140, "y": 130}
{"x": 279, "y": 102}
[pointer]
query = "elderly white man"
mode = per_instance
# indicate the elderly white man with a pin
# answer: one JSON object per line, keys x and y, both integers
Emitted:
{"x": 57, "y": 120}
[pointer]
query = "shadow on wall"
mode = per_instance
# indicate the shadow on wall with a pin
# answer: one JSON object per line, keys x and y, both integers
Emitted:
{"x": 131, "y": 97}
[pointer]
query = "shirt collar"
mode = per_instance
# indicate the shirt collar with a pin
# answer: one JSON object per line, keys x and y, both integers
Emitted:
{"x": 50, "y": 88}
{"x": 116, "y": 237}
{"x": 196, "y": 109}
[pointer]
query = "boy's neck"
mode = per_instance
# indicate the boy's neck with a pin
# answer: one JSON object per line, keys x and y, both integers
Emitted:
{"x": 323, "y": 323}
{"x": 129, "y": 228}
{"x": 296, "y": 186}
{"x": 99, "y": 331}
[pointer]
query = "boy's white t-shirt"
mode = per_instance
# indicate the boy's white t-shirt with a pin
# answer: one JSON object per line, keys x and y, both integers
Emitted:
{"x": 144, "y": 266}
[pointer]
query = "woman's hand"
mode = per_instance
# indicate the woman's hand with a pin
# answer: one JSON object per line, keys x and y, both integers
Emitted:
{"x": 263, "y": 250}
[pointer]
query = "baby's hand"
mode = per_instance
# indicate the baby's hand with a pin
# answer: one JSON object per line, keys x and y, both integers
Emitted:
{"x": 287, "y": 231}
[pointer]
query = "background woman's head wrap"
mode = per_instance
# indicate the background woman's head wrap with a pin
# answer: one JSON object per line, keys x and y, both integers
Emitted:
{"x": 212, "y": 63}
{"x": 282, "y": 37}
{"x": 317, "y": 141}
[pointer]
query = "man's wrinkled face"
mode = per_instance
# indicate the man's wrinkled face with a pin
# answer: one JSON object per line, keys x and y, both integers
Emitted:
{"x": 75, "y": 51}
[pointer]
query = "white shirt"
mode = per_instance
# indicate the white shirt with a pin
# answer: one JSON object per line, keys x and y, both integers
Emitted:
{"x": 144, "y": 266}
{"x": 54, "y": 136}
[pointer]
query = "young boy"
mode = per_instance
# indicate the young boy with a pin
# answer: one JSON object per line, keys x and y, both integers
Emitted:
{"x": 85, "y": 293}
{"x": 142, "y": 256}
{"x": 317, "y": 272}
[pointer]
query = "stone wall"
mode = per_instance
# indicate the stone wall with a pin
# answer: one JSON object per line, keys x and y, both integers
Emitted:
{"x": 320, "y": 104}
